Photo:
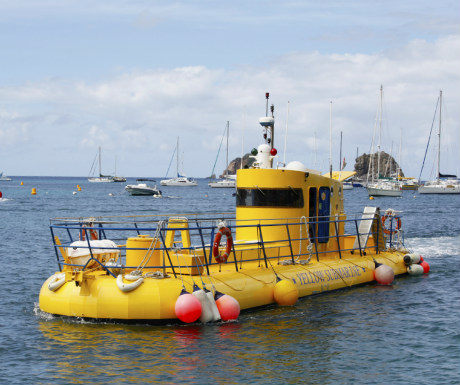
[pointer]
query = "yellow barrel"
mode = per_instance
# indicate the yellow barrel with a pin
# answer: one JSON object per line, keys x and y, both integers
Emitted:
{"x": 140, "y": 247}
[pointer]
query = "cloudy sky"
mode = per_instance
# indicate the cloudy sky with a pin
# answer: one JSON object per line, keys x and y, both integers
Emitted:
{"x": 132, "y": 76}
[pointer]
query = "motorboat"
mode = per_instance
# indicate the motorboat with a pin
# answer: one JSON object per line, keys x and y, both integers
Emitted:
{"x": 289, "y": 237}
{"x": 143, "y": 189}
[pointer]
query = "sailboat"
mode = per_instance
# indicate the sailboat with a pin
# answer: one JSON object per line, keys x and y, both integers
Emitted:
{"x": 444, "y": 184}
{"x": 381, "y": 187}
{"x": 4, "y": 177}
{"x": 227, "y": 181}
{"x": 101, "y": 178}
{"x": 180, "y": 180}
{"x": 118, "y": 178}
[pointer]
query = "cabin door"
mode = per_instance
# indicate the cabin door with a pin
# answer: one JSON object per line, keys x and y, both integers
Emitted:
{"x": 324, "y": 212}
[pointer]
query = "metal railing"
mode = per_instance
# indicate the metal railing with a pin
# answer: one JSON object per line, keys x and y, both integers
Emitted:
{"x": 66, "y": 232}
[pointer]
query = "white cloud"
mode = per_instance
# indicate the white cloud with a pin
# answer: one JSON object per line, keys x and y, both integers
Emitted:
{"x": 138, "y": 115}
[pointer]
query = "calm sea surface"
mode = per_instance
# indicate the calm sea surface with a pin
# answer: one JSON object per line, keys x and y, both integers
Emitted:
{"x": 408, "y": 333}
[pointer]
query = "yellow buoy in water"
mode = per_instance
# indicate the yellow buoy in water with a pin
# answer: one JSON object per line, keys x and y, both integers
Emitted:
{"x": 286, "y": 293}
{"x": 34, "y": 191}
{"x": 371, "y": 198}
{"x": 22, "y": 183}
{"x": 78, "y": 187}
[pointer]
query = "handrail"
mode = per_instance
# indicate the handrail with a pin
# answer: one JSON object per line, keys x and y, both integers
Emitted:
{"x": 204, "y": 228}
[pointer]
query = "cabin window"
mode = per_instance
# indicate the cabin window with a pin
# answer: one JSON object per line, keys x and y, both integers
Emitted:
{"x": 263, "y": 197}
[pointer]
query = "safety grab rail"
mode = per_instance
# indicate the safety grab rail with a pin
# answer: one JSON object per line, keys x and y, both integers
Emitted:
{"x": 199, "y": 232}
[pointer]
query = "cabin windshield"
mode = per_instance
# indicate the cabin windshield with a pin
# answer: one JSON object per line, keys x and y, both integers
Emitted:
{"x": 268, "y": 197}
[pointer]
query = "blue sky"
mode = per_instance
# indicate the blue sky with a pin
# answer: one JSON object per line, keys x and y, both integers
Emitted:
{"x": 131, "y": 76}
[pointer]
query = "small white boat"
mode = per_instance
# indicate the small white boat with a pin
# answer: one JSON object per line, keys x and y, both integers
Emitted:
{"x": 223, "y": 183}
{"x": 4, "y": 177}
{"x": 228, "y": 181}
{"x": 142, "y": 189}
{"x": 101, "y": 178}
{"x": 381, "y": 187}
{"x": 384, "y": 188}
{"x": 441, "y": 186}
{"x": 444, "y": 184}
{"x": 179, "y": 181}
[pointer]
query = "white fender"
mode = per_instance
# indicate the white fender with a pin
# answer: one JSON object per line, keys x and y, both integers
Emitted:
{"x": 57, "y": 280}
{"x": 415, "y": 269}
{"x": 410, "y": 259}
{"x": 126, "y": 287}
{"x": 206, "y": 310}
{"x": 215, "y": 310}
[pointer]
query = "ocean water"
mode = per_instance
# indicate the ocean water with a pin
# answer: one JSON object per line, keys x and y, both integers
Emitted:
{"x": 406, "y": 333}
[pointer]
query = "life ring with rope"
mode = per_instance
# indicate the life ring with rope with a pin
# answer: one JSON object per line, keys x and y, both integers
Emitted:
{"x": 221, "y": 258}
{"x": 92, "y": 232}
{"x": 390, "y": 214}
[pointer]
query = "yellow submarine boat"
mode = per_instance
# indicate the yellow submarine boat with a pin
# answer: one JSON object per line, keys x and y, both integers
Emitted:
{"x": 288, "y": 238}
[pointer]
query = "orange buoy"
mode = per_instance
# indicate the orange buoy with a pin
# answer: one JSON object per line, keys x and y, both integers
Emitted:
{"x": 187, "y": 307}
{"x": 426, "y": 267}
{"x": 229, "y": 308}
{"x": 34, "y": 191}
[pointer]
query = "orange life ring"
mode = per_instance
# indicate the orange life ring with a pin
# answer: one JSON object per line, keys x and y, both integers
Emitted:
{"x": 387, "y": 230}
{"x": 215, "y": 248}
{"x": 92, "y": 233}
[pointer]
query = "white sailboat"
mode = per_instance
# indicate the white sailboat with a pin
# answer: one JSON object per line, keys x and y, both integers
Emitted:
{"x": 4, "y": 177}
{"x": 227, "y": 181}
{"x": 101, "y": 178}
{"x": 381, "y": 187}
{"x": 180, "y": 180}
{"x": 443, "y": 184}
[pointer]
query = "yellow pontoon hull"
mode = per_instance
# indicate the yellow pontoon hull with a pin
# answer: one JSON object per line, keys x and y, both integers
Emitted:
{"x": 98, "y": 296}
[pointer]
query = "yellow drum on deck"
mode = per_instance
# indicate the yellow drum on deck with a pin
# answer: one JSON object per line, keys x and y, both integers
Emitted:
{"x": 143, "y": 250}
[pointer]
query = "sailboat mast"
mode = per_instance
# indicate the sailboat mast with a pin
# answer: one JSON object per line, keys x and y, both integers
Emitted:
{"x": 380, "y": 132}
{"x": 340, "y": 158}
{"x": 100, "y": 169}
{"x": 439, "y": 135}
{"x": 330, "y": 141}
{"x": 226, "y": 162}
{"x": 177, "y": 158}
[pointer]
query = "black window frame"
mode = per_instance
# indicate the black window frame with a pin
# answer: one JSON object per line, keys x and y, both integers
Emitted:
{"x": 270, "y": 197}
